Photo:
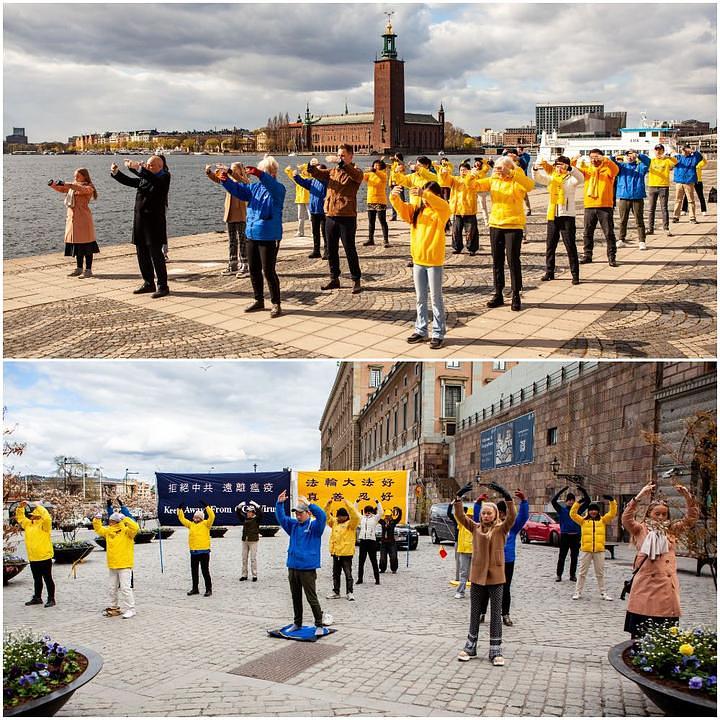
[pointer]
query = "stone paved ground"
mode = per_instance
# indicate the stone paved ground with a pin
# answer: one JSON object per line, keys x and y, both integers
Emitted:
{"x": 658, "y": 303}
{"x": 398, "y": 642}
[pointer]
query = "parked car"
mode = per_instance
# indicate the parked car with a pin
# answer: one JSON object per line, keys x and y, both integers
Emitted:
{"x": 441, "y": 526}
{"x": 542, "y": 528}
{"x": 401, "y": 536}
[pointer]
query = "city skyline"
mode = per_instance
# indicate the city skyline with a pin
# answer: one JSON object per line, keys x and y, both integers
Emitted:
{"x": 162, "y": 73}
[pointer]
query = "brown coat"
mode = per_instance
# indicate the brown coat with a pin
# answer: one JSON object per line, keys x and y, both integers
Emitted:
{"x": 342, "y": 188}
{"x": 235, "y": 208}
{"x": 487, "y": 566}
{"x": 79, "y": 227}
{"x": 656, "y": 590}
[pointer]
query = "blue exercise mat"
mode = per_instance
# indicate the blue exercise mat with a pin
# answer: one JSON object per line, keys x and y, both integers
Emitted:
{"x": 305, "y": 634}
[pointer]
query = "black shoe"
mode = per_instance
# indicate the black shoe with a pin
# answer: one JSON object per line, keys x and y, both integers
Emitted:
{"x": 676, "y": 220}
{"x": 332, "y": 285}
{"x": 558, "y": 578}
{"x": 34, "y": 601}
{"x": 650, "y": 232}
{"x": 314, "y": 255}
{"x": 358, "y": 582}
{"x": 436, "y": 343}
{"x": 144, "y": 289}
{"x": 386, "y": 244}
{"x": 547, "y": 276}
{"x": 244, "y": 577}
{"x": 161, "y": 292}
{"x": 324, "y": 256}
{"x": 193, "y": 592}
{"x": 585, "y": 260}
{"x": 612, "y": 263}
{"x": 257, "y": 305}
{"x": 409, "y": 263}
{"x": 254, "y": 579}
{"x": 575, "y": 280}
{"x": 416, "y": 338}
{"x": 50, "y": 603}
{"x": 693, "y": 221}
{"x": 357, "y": 288}
{"x": 507, "y": 621}
{"x": 276, "y": 311}
{"x": 473, "y": 253}
{"x": 515, "y": 305}
{"x": 377, "y": 582}
{"x": 573, "y": 578}
{"x": 495, "y": 301}
{"x": 208, "y": 593}
{"x": 457, "y": 252}
{"x": 367, "y": 243}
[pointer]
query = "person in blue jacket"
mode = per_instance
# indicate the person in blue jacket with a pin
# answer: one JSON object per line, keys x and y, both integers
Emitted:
{"x": 317, "y": 189}
{"x": 524, "y": 159}
{"x": 685, "y": 177}
{"x": 263, "y": 230}
{"x": 303, "y": 557}
{"x": 522, "y": 517}
{"x": 569, "y": 531}
{"x": 630, "y": 194}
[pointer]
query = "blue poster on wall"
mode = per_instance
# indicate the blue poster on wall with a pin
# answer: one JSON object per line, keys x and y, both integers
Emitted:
{"x": 508, "y": 444}
{"x": 222, "y": 491}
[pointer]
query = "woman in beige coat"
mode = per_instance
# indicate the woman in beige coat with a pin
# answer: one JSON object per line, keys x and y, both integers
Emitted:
{"x": 79, "y": 229}
{"x": 487, "y": 568}
{"x": 655, "y": 595}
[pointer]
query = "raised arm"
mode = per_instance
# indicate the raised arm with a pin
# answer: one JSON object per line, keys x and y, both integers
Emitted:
{"x": 319, "y": 173}
{"x": 403, "y": 209}
{"x": 318, "y": 526}
{"x": 525, "y": 182}
{"x": 181, "y": 517}
{"x": 554, "y": 499}
{"x": 578, "y": 519}
{"x": 236, "y": 189}
{"x": 523, "y": 513}
{"x": 285, "y": 522}
{"x": 692, "y": 512}
{"x": 461, "y": 518}
{"x": 130, "y": 527}
{"x": 355, "y": 516}
{"x": 210, "y": 516}
{"x": 125, "y": 179}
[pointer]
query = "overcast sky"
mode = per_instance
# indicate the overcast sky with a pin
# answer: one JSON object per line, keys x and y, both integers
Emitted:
{"x": 75, "y": 69}
{"x": 173, "y": 416}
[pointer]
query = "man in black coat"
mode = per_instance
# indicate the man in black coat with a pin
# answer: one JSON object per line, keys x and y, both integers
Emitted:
{"x": 149, "y": 225}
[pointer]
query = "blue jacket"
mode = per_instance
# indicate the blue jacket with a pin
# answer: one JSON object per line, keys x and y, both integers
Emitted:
{"x": 524, "y": 161}
{"x": 305, "y": 538}
{"x": 317, "y": 193}
{"x": 520, "y": 520}
{"x": 685, "y": 171}
{"x": 631, "y": 178}
{"x": 567, "y": 525}
{"x": 265, "y": 206}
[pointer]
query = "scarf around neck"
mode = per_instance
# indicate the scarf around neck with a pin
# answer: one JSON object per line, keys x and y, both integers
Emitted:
{"x": 655, "y": 542}
{"x": 557, "y": 193}
{"x": 593, "y": 189}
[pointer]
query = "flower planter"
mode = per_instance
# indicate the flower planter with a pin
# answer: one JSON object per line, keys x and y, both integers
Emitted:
{"x": 671, "y": 701}
{"x": 166, "y": 532}
{"x": 269, "y": 530}
{"x": 218, "y": 532}
{"x": 144, "y": 536}
{"x": 48, "y": 705}
{"x": 12, "y": 569}
{"x": 101, "y": 542}
{"x": 71, "y": 553}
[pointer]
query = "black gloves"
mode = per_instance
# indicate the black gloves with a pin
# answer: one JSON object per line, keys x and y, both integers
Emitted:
{"x": 609, "y": 498}
{"x": 500, "y": 490}
{"x": 464, "y": 490}
{"x": 585, "y": 493}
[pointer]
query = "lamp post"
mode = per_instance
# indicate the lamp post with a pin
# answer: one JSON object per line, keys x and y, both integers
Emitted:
{"x": 125, "y": 479}
{"x": 555, "y": 467}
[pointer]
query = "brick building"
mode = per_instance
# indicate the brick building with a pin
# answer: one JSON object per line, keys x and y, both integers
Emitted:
{"x": 519, "y": 136}
{"x": 592, "y": 418}
{"x": 386, "y": 129}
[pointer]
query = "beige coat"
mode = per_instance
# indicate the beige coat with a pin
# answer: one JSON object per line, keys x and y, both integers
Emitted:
{"x": 79, "y": 227}
{"x": 487, "y": 566}
{"x": 235, "y": 208}
{"x": 656, "y": 590}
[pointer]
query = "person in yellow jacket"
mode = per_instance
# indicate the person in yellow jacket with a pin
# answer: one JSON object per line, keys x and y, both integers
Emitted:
{"x": 699, "y": 190}
{"x": 658, "y": 187}
{"x": 427, "y": 218}
{"x": 199, "y": 542}
{"x": 592, "y": 543}
{"x": 444, "y": 170}
{"x": 302, "y": 198}
{"x": 599, "y": 173}
{"x": 481, "y": 169}
{"x": 397, "y": 166}
{"x": 38, "y": 544}
{"x": 507, "y": 185}
{"x": 342, "y": 545}
{"x": 376, "y": 180}
{"x": 119, "y": 536}
{"x": 463, "y": 551}
{"x": 464, "y": 189}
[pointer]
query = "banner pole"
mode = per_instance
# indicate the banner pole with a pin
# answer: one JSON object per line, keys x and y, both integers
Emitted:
{"x": 407, "y": 517}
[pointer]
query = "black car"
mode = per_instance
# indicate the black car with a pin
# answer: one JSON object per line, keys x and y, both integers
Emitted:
{"x": 441, "y": 526}
{"x": 401, "y": 536}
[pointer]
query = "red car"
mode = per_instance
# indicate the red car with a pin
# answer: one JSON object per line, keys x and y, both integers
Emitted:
{"x": 541, "y": 527}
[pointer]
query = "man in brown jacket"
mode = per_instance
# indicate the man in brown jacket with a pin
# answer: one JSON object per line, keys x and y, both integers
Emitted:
{"x": 343, "y": 183}
{"x": 234, "y": 216}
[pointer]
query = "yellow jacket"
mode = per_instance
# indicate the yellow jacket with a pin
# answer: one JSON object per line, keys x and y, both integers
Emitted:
{"x": 198, "y": 533}
{"x": 37, "y": 534}
{"x": 465, "y": 538}
{"x": 508, "y": 209}
{"x": 592, "y": 537}
{"x": 302, "y": 195}
{"x": 659, "y": 171}
{"x": 427, "y": 238}
{"x": 119, "y": 542}
{"x": 376, "y": 187}
{"x": 482, "y": 171}
{"x": 342, "y": 536}
{"x": 418, "y": 179}
{"x": 598, "y": 183}
{"x": 463, "y": 196}
{"x": 444, "y": 173}
{"x": 698, "y": 169}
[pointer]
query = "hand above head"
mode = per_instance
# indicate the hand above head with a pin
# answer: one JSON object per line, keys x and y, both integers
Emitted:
{"x": 128, "y": 163}
{"x": 397, "y": 190}
{"x": 483, "y": 498}
{"x": 282, "y": 497}
{"x": 500, "y": 490}
{"x": 251, "y": 170}
{"x": 303, "y": 499}
{"x": 647, "y": 489}
{"x": 609, "y": 498}
{"x": 97, "y": 516}
{"x": 681, "y": 488}
{"x": 114, "y": 168}
{"x": 520, "y": 495}
{"x": 464, "y": 490}
{"x": 23, "y": 503}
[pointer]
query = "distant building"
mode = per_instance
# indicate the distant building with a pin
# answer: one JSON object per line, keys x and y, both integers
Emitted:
{"x": 549, "y": 115}
{"x": 691, "y": 127}
{"x": 519, "y": 136}
{"x": 491, "y": 138}
{"x": 595, "y": 124}
{"x": 18, "y": 137}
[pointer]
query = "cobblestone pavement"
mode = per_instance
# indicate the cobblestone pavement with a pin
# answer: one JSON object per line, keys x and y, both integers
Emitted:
{"x": 397, "y": 643}
{"x": 657, "y": 303}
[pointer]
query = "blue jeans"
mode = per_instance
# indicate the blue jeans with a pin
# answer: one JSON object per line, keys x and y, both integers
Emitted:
{"x": 429, "y": 278}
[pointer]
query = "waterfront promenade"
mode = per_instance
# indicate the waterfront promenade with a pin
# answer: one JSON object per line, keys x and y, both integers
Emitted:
{"x": 657, "y": 303}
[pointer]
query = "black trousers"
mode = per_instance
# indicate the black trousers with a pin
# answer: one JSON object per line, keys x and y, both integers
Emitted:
{"x": 317, "y": 220}
{"x": 506, "y": 243}
{"x": 201, "y": 561}
{"x": 564, "y": 227}
{"x": 460, "y": 225}
{"x": 342, "y": 563}
{"x": 701, "y": 197}
{"x": 506, "y": 598}
{"x": 654, "y": 194}
{"x": 262, "y": 257}
{"x": 382, "y": 217}
{"x": 340, "y": 228}
{"x": 388, "y": 550}
{"x": 604, "y": 216}
{"x": 151, "y": 262}
{"x": 84, "y": 251}
{"x": 42, "y": 572}
{"x": 368, "y": 548}
{"x": 304, "y": 581}
{"x": 568, "y": 542}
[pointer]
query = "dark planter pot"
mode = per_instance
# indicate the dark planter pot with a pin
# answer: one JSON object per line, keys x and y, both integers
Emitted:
{"x": 11, "y": 570}
{"x": 166, "y": 532}
{"x": 672, "y": 702}
{"x": 144, "y": 536}
{"x": 72, "y": 554}
{"x": 101, "y": 542}
{"x": 269, "y": 530}
{"x": 48, "y": 705}
{"x": 218, "y": 532}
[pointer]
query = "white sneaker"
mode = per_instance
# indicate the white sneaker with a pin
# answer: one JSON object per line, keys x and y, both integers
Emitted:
{"x": 576, "y": 596}
{"x": 333, "y": 596}
{"x": 704, "y": 213}
{"x": 128, "y": 614}
{"x": 643, "y": 246}
{"x": 458, "y": 596}
{"x": 498, "y": 661}
{"x": 327, "y": 619}
{"x": 350, "y": 596}
{"x": 622, "y": 243}
{"x": 605, "y": 596}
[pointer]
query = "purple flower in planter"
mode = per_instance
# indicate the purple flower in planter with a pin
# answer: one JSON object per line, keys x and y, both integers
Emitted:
{"x": 647, "y": 668}
{"x": 61, "y": 651}
{"x": 711, "y": 681}
{"x": 40, "y": 666}
{"x": 44, "y": 673}
{"x": 676, "y": 670}
{"x": 695, "y": 683}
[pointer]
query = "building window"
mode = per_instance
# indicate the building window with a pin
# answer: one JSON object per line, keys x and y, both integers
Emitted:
{"x": 375, "y": 377}
{"x": 416, "y": 406}
{"x": 387, "y": 420}
{"x": 417, "y": 368}
{"x": 452, "y": 364}
{"x": 499, "y": 365}
{"x": 552, "y": 436}
{"x": 404, "y": 414}
{"x": 452, "y": 395}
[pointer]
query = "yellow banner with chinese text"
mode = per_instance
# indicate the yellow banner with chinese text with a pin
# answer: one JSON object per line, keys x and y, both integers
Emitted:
{"x": 365, "y": 487}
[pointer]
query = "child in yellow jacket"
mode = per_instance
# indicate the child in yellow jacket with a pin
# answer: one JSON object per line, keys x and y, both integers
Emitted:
{"x": 38, "y": 544}
{"x": 376, "y": 180}
{"x": 342, "y": 545}
{"x": 427, "y": 217}
{"x": 464, "y": 190}
{"x": 199, "y": 542}
{"x": 302, "y": 199}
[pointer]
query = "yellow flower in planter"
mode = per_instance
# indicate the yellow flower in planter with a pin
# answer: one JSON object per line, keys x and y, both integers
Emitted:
{"x": 686, "y": 649}
{"x": 674, "y": 630}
